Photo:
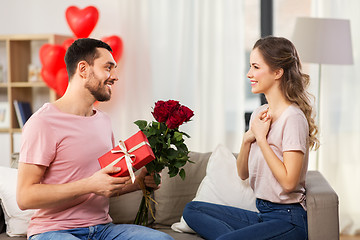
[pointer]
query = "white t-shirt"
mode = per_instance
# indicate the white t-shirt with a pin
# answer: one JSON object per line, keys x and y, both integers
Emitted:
{"x": 288, "y": 133}
{"x": 69, "y": 146}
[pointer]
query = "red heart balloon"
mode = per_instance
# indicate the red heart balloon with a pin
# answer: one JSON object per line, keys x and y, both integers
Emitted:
{"x": 116, "y": 44}
{"x": 49, "y": 78}
{"x": 61, "y": 82}
{"x": 82, "y": 21}
{"x": 52, "y": 57}
{"x": 66, "y": 44}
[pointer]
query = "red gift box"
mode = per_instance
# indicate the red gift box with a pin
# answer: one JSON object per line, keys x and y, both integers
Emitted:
{"x": 137, "y": 148}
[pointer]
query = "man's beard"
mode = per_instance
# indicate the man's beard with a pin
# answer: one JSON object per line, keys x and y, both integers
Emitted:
{"x": 97, "y": 91}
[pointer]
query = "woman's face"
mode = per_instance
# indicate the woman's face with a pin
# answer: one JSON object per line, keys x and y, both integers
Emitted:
{"x": 261, "y": 77}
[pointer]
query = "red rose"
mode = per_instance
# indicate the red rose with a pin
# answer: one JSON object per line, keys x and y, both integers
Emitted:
{"x": 160, "y": 112}
{"x": 175, "y": 119}
{"x": 172, "y": 113}
{"x": 187, "y": 112}
{"x": 171, "y": 106}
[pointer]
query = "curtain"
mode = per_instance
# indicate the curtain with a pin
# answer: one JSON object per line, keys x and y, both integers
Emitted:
{"x": 186, "y": 50}
{"x": 340, "y": 114}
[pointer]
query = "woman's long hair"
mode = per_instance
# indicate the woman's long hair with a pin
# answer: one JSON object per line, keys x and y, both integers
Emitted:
{"x": 279, "y": 53}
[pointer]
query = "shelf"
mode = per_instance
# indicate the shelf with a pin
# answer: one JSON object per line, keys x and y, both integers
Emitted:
{"x": 19, "y": 53}
{"x": 28, "y": 84}
{"x": 10, "y": 130}
{"x": 4, "y": 130}
{"x": 51, "y": 38}
{"x": 16, "y": 130}
{"x": 24, "y": 84}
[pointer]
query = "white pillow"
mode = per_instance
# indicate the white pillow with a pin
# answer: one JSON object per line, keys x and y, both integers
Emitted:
{"x": 16, "y": 220}
{"x": 222, "y": 185}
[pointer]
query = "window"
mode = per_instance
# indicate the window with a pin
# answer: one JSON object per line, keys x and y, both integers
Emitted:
{"x": 252, "y": 30}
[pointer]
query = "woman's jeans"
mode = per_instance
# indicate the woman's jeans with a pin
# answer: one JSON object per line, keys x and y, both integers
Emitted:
{"x": 274, "y": 221}
{"x": 104, "y": 231}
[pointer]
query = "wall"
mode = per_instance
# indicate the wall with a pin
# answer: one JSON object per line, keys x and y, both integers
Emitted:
{"x": 42, "y": 16}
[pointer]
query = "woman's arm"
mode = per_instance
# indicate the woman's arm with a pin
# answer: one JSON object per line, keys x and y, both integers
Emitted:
{"x": 242, "y": 159}
{"x": 287, "y": 173}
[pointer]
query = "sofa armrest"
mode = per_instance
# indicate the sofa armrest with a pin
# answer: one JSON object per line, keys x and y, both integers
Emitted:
{"x": 322, "y": 208}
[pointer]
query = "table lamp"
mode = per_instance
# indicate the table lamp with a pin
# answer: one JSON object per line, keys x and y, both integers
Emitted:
{"x": 323, "y": 41}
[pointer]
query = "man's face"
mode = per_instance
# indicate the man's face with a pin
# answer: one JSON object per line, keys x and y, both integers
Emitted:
{"x": 102, "y": 76}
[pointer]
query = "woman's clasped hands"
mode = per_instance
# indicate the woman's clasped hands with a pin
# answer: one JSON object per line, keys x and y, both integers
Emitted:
{"x": 260, "y": 125}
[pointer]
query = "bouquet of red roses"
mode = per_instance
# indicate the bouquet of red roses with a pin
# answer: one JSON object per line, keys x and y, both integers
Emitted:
{"x": 167, "y": 143}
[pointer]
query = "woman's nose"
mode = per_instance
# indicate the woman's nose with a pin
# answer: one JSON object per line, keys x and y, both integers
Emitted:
{"x": 249, "y": 74}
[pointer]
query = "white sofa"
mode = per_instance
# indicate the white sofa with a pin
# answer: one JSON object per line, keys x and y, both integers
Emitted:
{"x": 322, "y": 203}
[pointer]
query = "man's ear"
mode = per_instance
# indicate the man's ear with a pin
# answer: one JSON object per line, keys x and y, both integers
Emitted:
{"x": 83, "y": 68}
{"x": 279, "y": 73}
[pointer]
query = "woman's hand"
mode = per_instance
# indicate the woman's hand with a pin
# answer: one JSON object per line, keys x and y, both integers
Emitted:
{"x": 260, "y": 125}
{"x": 242, "y": 159}
{"x": 249, "y": 137}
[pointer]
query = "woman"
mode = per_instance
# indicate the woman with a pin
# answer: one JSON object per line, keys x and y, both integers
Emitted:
{"x": 274, "y": 153}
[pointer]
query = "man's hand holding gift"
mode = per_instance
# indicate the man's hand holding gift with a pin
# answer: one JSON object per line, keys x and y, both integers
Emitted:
{"x": 105, "y": 184}
{"x": 102, "y": 183}
{"x": 145, "y": 179}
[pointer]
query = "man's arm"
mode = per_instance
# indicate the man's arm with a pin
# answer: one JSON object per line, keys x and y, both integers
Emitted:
{"x": 31, "y": 194}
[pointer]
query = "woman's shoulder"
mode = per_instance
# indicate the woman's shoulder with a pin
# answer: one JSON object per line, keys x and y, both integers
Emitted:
{"x": 294, "y": 116}
{"x": 294, "y": 110}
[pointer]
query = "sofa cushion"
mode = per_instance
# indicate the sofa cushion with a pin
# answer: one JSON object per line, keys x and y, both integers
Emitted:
{"x": 222, "y": 185}
{"x": 175, "y": 193}
{"x": 3, "y": 236}
{"x": 16, "y": 220}
{"x": 177, "y": 235}
{"x": 123, "y": 209}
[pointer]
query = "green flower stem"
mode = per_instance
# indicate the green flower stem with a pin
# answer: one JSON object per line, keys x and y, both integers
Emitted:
{"x": 142, "y": 214}
{"x": 139, "y": 220}
{"x": 167, "y": 129}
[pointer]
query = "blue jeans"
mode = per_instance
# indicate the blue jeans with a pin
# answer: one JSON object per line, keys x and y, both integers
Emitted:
{"x": 104, "y": 231}
{"x": 274, "y": 221}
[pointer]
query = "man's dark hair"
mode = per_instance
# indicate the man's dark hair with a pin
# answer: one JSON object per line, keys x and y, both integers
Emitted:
{"x": 83, "y": 49}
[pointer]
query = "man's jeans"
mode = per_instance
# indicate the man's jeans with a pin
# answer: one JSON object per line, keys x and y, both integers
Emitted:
{"x": 274, "y": 221}
{"x": 104, "y": 231}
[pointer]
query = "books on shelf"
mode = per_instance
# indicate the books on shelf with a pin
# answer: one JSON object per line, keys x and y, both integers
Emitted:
{"x": 23, "y": 111}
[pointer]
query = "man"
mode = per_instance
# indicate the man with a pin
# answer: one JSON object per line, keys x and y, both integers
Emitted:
{"x": 59, "y": 173}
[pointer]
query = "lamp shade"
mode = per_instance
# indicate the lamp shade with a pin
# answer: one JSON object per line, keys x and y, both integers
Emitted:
{"x": 323, "y": 40}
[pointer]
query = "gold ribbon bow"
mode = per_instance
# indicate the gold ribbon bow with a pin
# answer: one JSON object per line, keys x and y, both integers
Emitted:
{"x": 127, "y": 157}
